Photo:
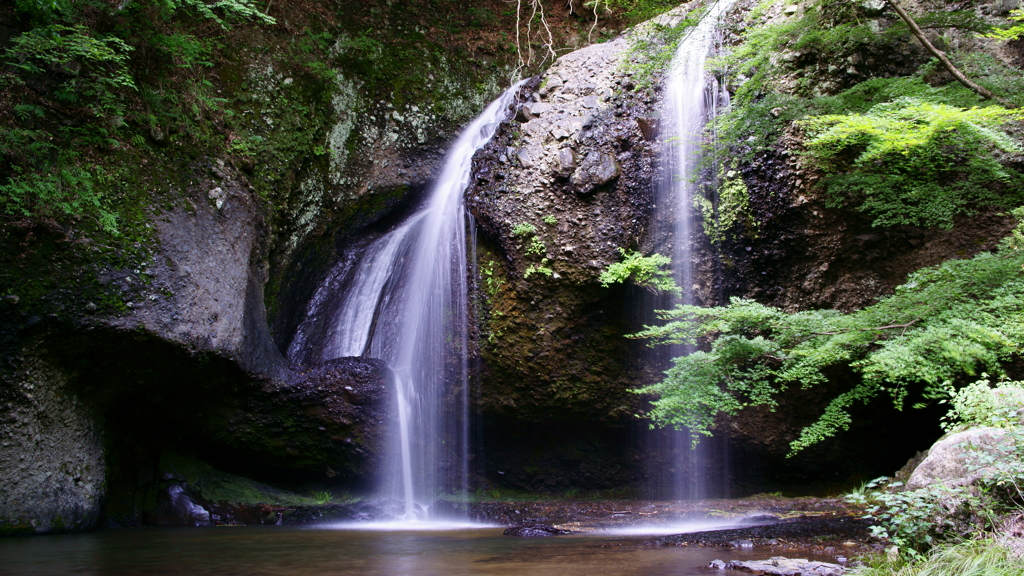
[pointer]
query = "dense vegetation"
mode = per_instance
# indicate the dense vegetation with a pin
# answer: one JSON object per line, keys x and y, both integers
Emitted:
{"x": 881, "y": 136}
{"x": 897, "y": 147}
{"x": 887, "y": 132}
{"x": 946, "y": 323}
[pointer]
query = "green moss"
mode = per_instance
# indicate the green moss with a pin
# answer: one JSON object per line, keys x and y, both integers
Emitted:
{"x": 652, "y": 47}
{"x": 529, "y": 340}
{"x": 725, "y": 211}
{"x": 215, "y": 486}
{"x": 15, "y": 527}
{"x": 58, "y": 524}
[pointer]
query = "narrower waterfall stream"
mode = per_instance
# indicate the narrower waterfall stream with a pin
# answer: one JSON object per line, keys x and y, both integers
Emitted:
{"x": 692, "y": 98}
{"x": 405, "y": 301}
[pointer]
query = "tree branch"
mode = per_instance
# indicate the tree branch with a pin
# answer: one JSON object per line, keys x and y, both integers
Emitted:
{"x": 919, "y": 34}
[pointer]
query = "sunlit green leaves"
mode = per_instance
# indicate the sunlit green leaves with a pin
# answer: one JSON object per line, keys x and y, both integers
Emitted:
{"x": 946, "y": 323}
{"x": 223, "y": 12}
{"x": 912, "y": 161}
{"x": 1012, "y": 32}
{"x": 906, "y": 126}
{"x": 89, "y": 70}
{"x": 646, "y": 271}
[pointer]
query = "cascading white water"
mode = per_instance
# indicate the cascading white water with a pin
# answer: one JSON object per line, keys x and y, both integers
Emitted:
{"x": 692, "y": 98}
{"x": 405, "y": 302}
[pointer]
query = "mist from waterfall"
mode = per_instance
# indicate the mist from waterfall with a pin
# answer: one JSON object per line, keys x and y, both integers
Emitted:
{"x": 404, "y": 301}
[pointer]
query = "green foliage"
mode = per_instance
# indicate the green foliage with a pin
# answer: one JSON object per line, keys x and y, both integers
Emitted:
{"x": 635, "y": 11}
{"x": 827, "y": 31}
{"x": 727, "y": 209}
{"x": 975, "y": 557}
{"x": 910, "y": 161}
{"x": 539, "y": 269}
{"x": 917, "y": 520}
{"x": 550, "y": 220}
{"x": 1015, "y": 241}
{"x": 536, "y": 247}
{"x": 492, "y": 282}
{"x": 646, "y": 271}
{"x": 946, "y": 322}
{"x": 900, "y": 149}
{"x": 185, "y": 50}
{"x": 92, "y": 71}
{"x": 66, "y": 190}
{"x": 794, "y": 50}
{"x": 1012, "y": 32}
{"x": 223, "y": 12}
{"x": 524, "y": 229}
{"x": 981, "y": 404}
{"x": 653, "y": 46}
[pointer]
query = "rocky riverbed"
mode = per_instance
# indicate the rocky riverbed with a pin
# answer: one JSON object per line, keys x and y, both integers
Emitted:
{"x": 792, "y": 527}
{"x": 787, "y": 526}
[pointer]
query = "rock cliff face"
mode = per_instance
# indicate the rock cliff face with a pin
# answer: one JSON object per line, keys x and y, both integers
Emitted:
{"x": 560, "y": 190}
{"x": 51, "y": 461}
{"x": 189, "y": 364}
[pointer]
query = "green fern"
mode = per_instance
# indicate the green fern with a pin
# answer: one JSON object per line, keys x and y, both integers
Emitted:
{"x": 945, "y": 323}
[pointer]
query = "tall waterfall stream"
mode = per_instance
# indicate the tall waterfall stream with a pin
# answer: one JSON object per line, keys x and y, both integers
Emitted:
{"x": 692, "y": 98}
{"x": 405, "y": 302}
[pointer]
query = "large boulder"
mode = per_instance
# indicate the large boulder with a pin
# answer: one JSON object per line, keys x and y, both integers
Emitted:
{"x": 782, "y": 566}
{"x": 52, "y": 470}
{"x": 962, "y": 458}
{"x": 556, "y": 193}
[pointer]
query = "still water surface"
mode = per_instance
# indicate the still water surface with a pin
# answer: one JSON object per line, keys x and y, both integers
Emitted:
{"x": 278, "y": 551}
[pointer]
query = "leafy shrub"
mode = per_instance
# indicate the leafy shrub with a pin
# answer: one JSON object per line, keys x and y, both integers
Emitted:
{"x": 66, "y": 190}
{"x": 946, "y": 322}
{"x": 93, "y": 70}
{"x": 915, "y": 162}
{"x": 981, "y": 404}
{"x": 917, "y": 520}
{"x": 646, "y": 271}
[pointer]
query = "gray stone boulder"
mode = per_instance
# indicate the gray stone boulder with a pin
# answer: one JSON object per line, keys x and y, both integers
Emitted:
{"x": 958, "y": 459}
{"x": 782, "y": 566}
{"x": 596, "y": 170}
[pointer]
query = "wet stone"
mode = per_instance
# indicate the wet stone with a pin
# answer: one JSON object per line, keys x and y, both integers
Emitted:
{"x": 534, "y": 531}
{"x": 782, "y": 566}
{"x": 596, "y": 170}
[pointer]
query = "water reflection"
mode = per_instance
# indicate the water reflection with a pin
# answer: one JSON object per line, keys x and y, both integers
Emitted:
{"x": 280, "y": 551}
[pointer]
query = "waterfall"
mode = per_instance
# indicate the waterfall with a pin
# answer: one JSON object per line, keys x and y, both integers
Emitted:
{"x": 404, "y": 301}
{"x": 692, "y": 98}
